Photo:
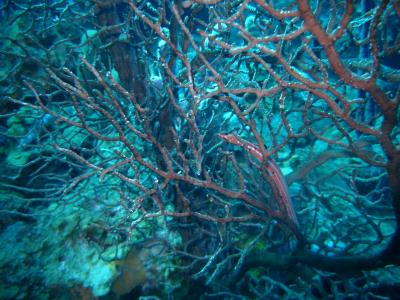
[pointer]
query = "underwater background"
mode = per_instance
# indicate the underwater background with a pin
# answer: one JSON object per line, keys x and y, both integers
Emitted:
{"x": 199, "y": 149}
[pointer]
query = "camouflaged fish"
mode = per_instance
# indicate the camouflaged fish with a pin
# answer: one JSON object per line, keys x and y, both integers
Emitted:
{"x": 273, "y": 170}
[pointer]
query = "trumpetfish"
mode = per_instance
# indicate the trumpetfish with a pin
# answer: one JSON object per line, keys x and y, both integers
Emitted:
{"x": 274, "y": 171}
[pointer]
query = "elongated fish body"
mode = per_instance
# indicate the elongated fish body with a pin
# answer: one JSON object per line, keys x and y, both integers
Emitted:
{"x": 273, "y": 170}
